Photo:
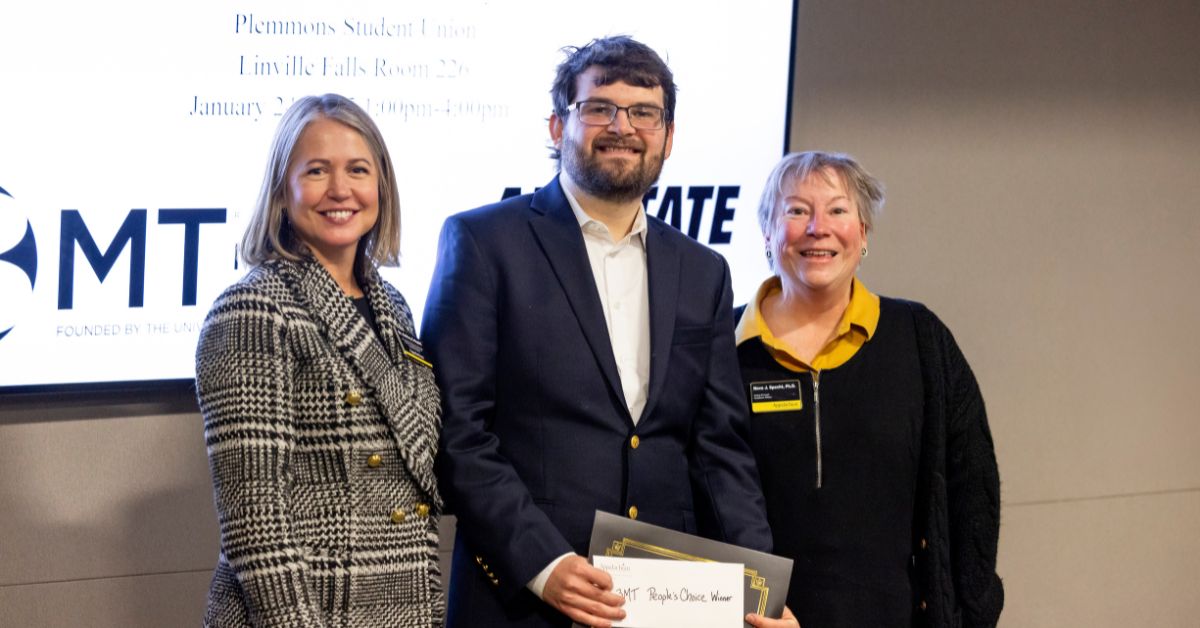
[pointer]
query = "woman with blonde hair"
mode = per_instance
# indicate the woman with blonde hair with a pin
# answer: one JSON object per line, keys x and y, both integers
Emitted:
{"x": 321, "y": 416}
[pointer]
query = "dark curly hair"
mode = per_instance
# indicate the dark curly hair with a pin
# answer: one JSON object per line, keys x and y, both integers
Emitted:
{"x": 623, "y": 59}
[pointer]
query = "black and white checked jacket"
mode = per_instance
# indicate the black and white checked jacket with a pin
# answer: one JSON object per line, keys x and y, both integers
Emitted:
{"x": 321, "y": 437}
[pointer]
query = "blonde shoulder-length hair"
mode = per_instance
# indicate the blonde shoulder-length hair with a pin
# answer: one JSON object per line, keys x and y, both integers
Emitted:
{"x": 269, "y": 236}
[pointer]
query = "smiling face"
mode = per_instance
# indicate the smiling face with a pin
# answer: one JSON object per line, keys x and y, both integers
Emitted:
{"x": 817, "y": 236}
{"x": 615, "y": 162}
{"x": 332, "y": 191}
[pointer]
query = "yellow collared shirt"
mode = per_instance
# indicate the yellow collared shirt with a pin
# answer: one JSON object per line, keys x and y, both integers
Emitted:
{"x": 855, "y": 328}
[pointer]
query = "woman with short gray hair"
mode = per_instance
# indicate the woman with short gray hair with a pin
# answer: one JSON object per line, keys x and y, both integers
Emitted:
{"x": 868, "y": 426}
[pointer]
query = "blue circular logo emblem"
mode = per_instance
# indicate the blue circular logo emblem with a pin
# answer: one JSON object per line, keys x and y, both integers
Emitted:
{"x": 18, "y": 263}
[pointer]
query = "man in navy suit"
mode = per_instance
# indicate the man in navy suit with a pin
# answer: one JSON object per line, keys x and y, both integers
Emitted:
{"x": 586, "y": 360}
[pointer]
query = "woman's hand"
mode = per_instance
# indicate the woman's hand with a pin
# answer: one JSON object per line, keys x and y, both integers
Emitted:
{"x": 787, "y": 621}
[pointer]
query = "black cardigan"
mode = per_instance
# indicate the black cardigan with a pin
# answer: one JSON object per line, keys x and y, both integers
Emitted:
{"x": 958, "y": 488}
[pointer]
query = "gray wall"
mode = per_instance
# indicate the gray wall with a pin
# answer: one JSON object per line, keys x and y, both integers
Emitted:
{"x": 1043, "y": 168}
{"x": 1041, "y": 162}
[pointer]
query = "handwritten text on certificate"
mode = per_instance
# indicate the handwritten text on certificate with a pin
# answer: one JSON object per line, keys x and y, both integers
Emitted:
{"x": 660, "y": 593}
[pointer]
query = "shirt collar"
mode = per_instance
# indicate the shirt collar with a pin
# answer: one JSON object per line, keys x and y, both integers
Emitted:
{"x": 862, "y": 313}
{"x": 587, "y": 223}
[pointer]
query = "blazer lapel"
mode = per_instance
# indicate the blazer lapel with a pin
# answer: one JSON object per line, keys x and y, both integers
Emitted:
{"x": 345, "y": 328}
{"x": 662, "y": 261}
{"x": 391, "y": 377}
{"x": 405, "y": 389}
{"x": 558, "y": 232}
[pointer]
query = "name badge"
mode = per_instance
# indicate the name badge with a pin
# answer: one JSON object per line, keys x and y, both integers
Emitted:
{"x": 413, "y": 350}
{"x": 780, "y": 396}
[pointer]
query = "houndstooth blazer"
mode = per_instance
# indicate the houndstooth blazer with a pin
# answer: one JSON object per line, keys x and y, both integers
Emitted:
{"x": 321, "y": 436}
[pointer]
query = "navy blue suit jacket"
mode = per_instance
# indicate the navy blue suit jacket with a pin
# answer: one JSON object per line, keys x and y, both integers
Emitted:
{"x": 536, "y": 433}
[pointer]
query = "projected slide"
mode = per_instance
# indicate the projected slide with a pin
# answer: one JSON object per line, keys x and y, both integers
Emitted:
{"x": 133, "y": 138}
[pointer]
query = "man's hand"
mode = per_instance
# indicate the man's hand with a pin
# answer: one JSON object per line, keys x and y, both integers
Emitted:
{"x": 583, "y": 593}
{"x": 787, "y": 621}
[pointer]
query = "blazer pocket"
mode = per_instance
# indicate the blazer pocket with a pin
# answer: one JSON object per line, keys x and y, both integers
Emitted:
{"x": 692, "y": 335}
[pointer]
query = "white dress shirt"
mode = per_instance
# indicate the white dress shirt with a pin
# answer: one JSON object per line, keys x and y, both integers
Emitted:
{"x": 619, "y": 268}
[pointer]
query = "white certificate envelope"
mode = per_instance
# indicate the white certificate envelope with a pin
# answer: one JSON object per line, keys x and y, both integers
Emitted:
{"x": 669, "y": 593}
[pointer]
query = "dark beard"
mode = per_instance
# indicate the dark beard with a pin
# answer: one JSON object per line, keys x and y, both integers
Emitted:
{"x": 603, "y": 182}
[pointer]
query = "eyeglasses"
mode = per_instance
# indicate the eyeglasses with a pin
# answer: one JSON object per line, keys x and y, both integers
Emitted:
{"x": 600, "y": 113}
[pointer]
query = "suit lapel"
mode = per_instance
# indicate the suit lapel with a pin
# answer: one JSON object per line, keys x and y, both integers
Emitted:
{"x": 556, "y": 229}
{"x": 662, "y": 261}
{"x": 379, "y": 361}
